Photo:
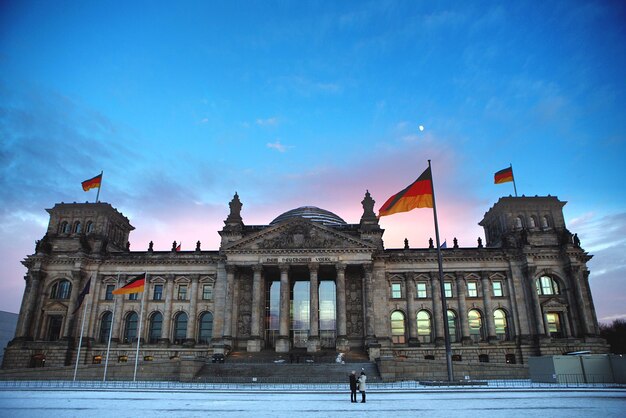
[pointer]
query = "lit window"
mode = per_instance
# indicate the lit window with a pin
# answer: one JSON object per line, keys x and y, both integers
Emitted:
{"x": 554, "y": 325}
{"x": 421, "y": 290}
{"x": 207, "y": 292}
{"x": 472, "y": 289}
{"x": 547, "y": 286}
{"x": 497, "y": 289}
{"x": 424, "y": 328}
{"x": 500, "y": 322}
{"x": 397, "y": 328}
{"x": 452, "y": 328}
{"x": 475, "y": 325}
{"x": 158, "y": 292}
{"x": 396, "y": 291}
{"x": 447, "y": 287}
{"x": 108, "y": 295}
{"x": 182, "y": 292}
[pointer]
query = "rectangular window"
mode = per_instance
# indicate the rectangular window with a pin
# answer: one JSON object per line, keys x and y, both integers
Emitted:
{"x": 472, "y": 289}
{"x": 497, "y": 289}
{"x": 396, "y": 291}
{"x": 447, "y": 287}
{"x": 421, "y": 291}
{"x": 132, "y": 296}
{"x": 182, "y": 292}
{"x": 207, "y": 292}
{"x": 109, "y": 292}
{"x": 158, "y": 292}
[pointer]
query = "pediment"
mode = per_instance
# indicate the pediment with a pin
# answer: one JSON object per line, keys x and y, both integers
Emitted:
{"x": 55, "y": 306}
{"x": 299, "y": 234}
{"x": 553, "y": 303}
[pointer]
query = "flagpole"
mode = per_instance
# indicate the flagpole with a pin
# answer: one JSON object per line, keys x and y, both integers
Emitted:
{"x": 98, "y": 194}
{"x": 513, "y": 175}
{"x": 106, "y": 361}
{"x": 139, "y": 331}
{"x": 80, "y": 340}
{"x": 444, "y": 304}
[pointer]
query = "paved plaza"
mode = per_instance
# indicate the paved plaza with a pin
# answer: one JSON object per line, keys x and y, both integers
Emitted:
{"x": 432, "y": 403}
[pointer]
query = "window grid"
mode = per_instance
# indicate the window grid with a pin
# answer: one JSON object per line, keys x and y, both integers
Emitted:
{"x": 396, "y": 291}
{"x": 207, "y": 292}
{"x": 158, "y": 292}
{"x": 421, "y": 290}
{"x": 182, "y": 292}
{"x": 472, "y": 289}
{"x": 497, "y": 289}
{"x": 447, "y": 287}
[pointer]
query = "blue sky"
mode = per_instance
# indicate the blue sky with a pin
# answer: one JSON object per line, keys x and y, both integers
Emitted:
{"x": 295, "y": 103}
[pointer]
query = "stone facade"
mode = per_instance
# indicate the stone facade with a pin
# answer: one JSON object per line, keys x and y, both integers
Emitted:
{"x": 308, "y": 280}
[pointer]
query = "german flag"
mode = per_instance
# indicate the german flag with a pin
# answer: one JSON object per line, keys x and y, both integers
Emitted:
{"x": 503, "y": 176}
{"x": 136, "y": 285}
{"x": 92, "y": 183}
{"x": 418, "y": 194}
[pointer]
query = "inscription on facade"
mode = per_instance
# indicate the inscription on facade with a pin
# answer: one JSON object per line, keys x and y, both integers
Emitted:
{"x": 297, "y": 260}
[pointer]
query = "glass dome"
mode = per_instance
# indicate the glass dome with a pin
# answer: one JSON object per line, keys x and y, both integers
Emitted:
{"x": 311, "y": 213}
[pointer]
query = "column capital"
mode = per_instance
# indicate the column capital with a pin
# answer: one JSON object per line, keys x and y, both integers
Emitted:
{"x": 313, "y": 267}
{"x": 459, "y": 275}
{"x": 230, "y": 268}
{"x": 284, "y": 268}
{"x": 340, "y": 267}
{"x": 257, "y": 268}
{"x": 368, "y": 267}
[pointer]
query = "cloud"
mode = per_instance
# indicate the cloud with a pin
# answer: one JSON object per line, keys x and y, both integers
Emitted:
{"x": 278, "y": 146}
{"x": 273, "y": 121}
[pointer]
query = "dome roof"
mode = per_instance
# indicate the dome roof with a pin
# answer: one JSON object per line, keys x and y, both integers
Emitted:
{"x": 311, "y": 213}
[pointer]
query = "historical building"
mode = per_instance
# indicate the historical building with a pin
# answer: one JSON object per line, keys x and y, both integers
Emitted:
{"x": 308, "y": 281}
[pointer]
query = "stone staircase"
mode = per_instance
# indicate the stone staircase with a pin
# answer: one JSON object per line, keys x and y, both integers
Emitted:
{"x": 293, "y": 367}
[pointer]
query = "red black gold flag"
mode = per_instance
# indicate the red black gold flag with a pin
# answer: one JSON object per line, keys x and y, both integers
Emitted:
{"x": 503, "y": 176}
{"x": 418, "y": 194}
{"x": 92, "y": 183}
{"x": 136, "y": 285}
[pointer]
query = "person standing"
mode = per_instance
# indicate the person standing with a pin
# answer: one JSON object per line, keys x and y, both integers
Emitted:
{"x": 362, "y": 386}
{"x": 353, "y": 384}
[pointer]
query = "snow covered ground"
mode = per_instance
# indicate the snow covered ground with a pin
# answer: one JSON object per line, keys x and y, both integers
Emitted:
{"x": 318, "y": 403}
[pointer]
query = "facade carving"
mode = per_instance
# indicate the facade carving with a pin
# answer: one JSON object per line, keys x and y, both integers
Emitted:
{"x": 308, "y": 280}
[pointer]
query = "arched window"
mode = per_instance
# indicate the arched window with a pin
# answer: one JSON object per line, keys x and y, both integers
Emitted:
{"x": 452, "y": 327}
{"x": 130, "y": 328}
{"x": 89, "y": 227}
{"x": 78, "y": 227}
{"x": 475, "y": 325}
{"x": 105, "y": 327}
{"x": 398, "y": 330}
{"x": 501, "y": 324}
{"x": 65, "y": 227}
{"x": 206, "y": 328}
{"x": 156, "y": 324}
{"x": 547, "y": 286}
{"x": 180, "y": 328}
{"x": 532, "y": 222}
{"x": 61, "y": 290}
{"x": 519, "y": 223}
{"x": 424, "y": 327}
{"x": 545, "y": 221}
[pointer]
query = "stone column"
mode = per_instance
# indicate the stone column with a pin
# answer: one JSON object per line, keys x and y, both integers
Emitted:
{"x": 29, "y": 301}
{"x": 438, "y": 316}
{"x": 193, "y": 309}
{"x": 228, "y": 309}
{"x": 460, "y": 288}
{"x": 69, "y": 316}
{"x": 491, "y": 325}
{"x": 313, "y": 343}
{"x": 255, "y": 343}
{"x": 166, "y": 332}
{"x": 587, "y": 327}
{"x": 539, "y": 320}
{"x": 368, "y": 299}
{"x": 342, "y": 343}
{"x": 411, "y": 312}
{"x": 94, "y": 307}
{"x": 283, "y": 343}
{"x": 119, "y": 309}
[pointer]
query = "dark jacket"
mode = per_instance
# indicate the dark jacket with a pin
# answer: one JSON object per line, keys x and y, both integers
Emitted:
{"x": 352, "y": 382}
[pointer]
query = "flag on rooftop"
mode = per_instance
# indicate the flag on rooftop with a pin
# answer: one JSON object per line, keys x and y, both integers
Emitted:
{"x": 92, "y": 183}
{"x": 418, "y": 194}
{"x": 136, "y": 285}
